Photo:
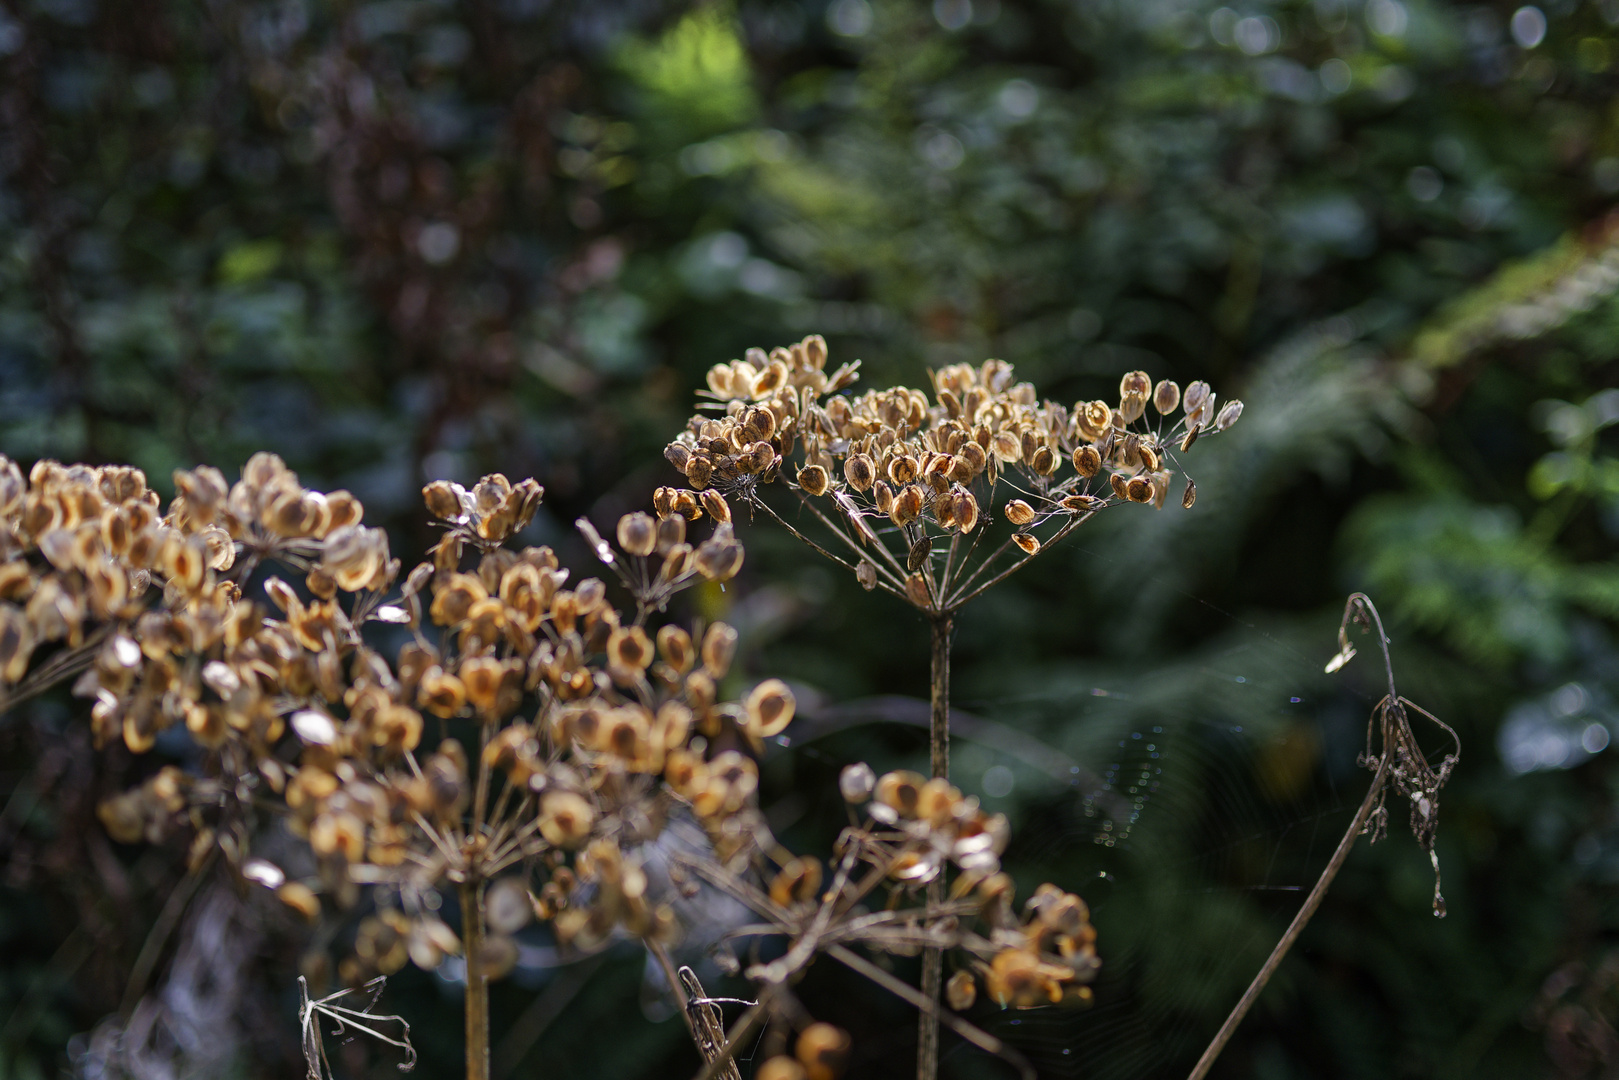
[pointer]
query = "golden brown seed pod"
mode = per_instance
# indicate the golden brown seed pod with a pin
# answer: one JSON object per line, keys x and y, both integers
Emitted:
{"x": 717, "y": 507}
{"x": 813, "y": 479}
{"x": 1029, "y": 543}
{"x": 441, "y": 500}
{"x": 900, "y": 791}
{"x": 907, "y": 505}
{"x": 1118, "y": 484}
{"x": 629, "y": 648}
{"x": 973, "y": 455}
{"x": 866, "y": 574}
{"x": 961, "y": 991}
{"x": 565, "y": 819}
{"x": 860, "y": 472}
{"x": 1043, "y": 460}
{"x": 1189, "y": 438}
{"x": 699, "y": 471}
{"x": 916, "y": 591}
{"x": 678, "y": 455}
{"x": 964, "y": 509}
{"x": 823, "y": 1050}
{"x": 1087, "y": 461}
{"x": 769, "y": 708}
{"x": 1008, "y": 447}
{"x": 1230, "y": 413}
{"x": 663, "y": 501}
{"x": 637, "y": 533}
{"x": 719, "y": 557}
{"x": 719, "y": 646}
{"x": 300, "y": 898}
{"x": 1019, "y": 512}
{"x": 781, "y": 1068}
{"x": 799, "y": 880}
{"x": 1190, "y": 497}
{"x": 1138, "y": 489}
{"x": 815, "y": 352}
{"x": 675, "y": 646}
{"x": 1166, "y": 396}
{"x": 687, "y": 506}
{"x": 903, "y": 469}
{"x": 441, "y": 693}
{"x": 883, "y": 496}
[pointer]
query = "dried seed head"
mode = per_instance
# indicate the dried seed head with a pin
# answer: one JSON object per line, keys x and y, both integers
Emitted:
{"x": 1093, "y": 418}
{"x": 699, "y": 471}
{"x": 300, "y": 898}
{"x": 442, "y": 500}
{"x": 964, "y": 509}
{"x": 907, "y": 506}
{"x": 674, "y": 645}
{"x": 671, "y": 531}
{"x": 565, "y": 819}
{"x": 900, "y": 791}
{"x": 917, "y": 557}
{"x": 903, "y": 469}
{"x": 1118, "y": 484}
{"x": 866, "y": 574}
{"x": 883, "y": 496}
{"x": 769, "y": 708}
{"x": 678, "y": 455}
{"x": 1230, "y": 413}
{"x": 637, "y": 533}
{"x": 719, "y": 557}
{"x": 1138, "y": 489}
{"x": 799, "y": 880}
{"x": 719, "y": 646}
{"x": 781, "y": 1068}
{"x": 856, "y": 782}
{"x": 1191, "y": 495}
{"x": 1043, "y": 460}
{"x": 916, "y": 591}
{"x": 1190, "y": 437}
{"x": 1028, "y": 542}
{"x": 961, "y": 991}
{"x": 1087, "y": 461}
{"x": 629, "y": 649}
{"x": 717, "y": 507}
{"x": 823, "y": 1050}
{"x": 1166, "y": 396}
{"x": 813, "y": 479}
{"x": 860, "y": 472}
{"x": 1019, "y": 512}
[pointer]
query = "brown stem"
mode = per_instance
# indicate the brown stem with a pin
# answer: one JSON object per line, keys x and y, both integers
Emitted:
{"x": 927, "y": 1031}
{"x": 1312, "y": 902}
{"x": 477, "y": 1003}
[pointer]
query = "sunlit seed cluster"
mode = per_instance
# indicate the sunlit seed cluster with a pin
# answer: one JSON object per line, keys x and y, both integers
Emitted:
{"x": 484, "y": 720}
{"x": 926, "y": 466}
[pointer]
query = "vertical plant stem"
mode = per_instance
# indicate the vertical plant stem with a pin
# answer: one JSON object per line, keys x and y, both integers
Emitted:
{"x": 477, "y": 1003}
{"x": 1251, "y": 995}
{"x": 927, "y": 1042}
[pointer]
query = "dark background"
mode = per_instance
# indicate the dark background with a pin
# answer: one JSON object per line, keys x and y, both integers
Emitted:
{"x": 397, "y": 241}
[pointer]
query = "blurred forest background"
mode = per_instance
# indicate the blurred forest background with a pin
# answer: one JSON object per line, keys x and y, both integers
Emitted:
{"x": 402, "y": 240}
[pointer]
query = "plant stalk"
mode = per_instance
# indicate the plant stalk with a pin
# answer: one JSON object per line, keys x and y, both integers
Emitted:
{"x": 927, "y": 1041}
{"x": 477, "y": 1002}
{"x": 1311, "y": 902}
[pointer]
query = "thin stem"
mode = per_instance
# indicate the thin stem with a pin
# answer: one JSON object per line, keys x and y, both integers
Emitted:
{"x": 971, "y": 1032}
{"x": 885, "y": 585}
{"x": 927, "y": 1049}
{"x": 1311, "y": 902}
{"x": 477, "y": 1003}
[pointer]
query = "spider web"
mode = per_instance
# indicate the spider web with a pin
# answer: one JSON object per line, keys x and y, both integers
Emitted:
{"x": 1203, "y": 801}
